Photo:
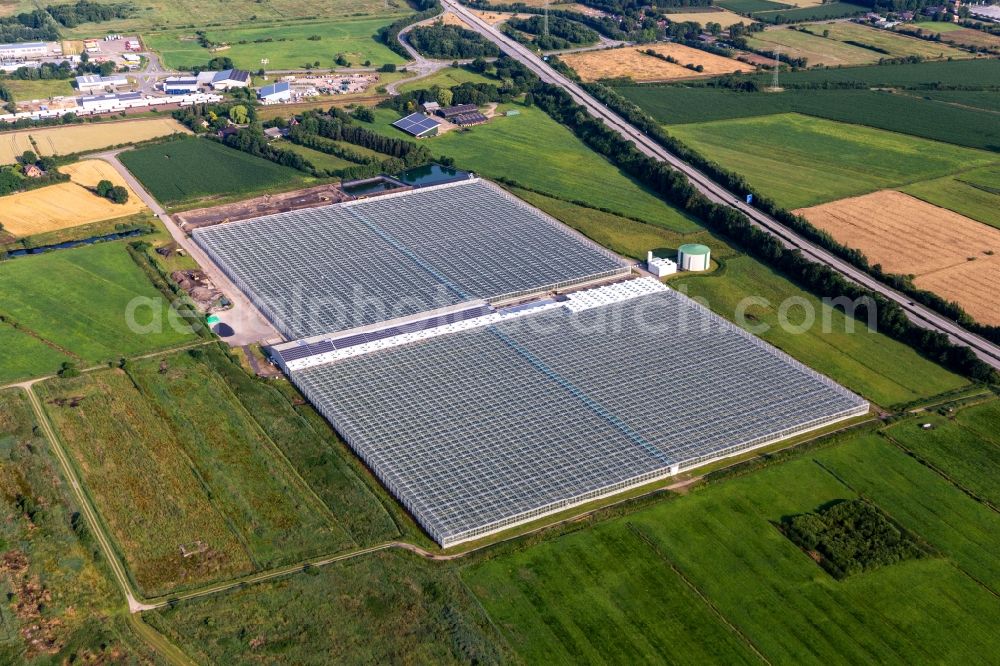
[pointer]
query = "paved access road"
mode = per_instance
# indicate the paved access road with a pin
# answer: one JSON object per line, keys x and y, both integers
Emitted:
{"x": 920, "y": 315}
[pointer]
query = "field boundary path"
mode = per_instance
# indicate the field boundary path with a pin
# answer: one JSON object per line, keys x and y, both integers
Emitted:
{"x": 244, "y": 317}
{"x": 918, "y": 314}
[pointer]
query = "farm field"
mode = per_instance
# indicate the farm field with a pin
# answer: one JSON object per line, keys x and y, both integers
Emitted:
{"x": 750, "y": 6}
{"x": 917, "y": 497}
{"x": 888, "y": 43}
{"x": 953, "y": 33}
{"x": 76, "y": 300}
{"x": 975, "y": 194}
{"x": 390, "y": 607}
{"x": 981, "y": 72}
{"x": 816, "y": 12}
{"x": 816, "y": 50}
{"x": 446, "y": 78}
{"x": 725, "y": 18}
{"x": 639, "y": 66}
{"x": 801, "y": 161}
{"x": 314, "y": 450}
{"x": 161, "y": 14}
{"x": 70, "y": 139}
{"x": 905, "y": 113}
{"x": 140, "y": 481}
{"x": 965, "y": 446}
{"x": 59, "y": 605}
{"x": 285, "y": 46}
{"x": 24, "y": 90}
{"x": 65, "y": 205}
{"x": 316, "y": 158}
{"x": 539, "y": 153}
{"x": 949, "y": 254}
{"x": 188, "y": 484}
{"x": 26, "y": 356}
{"x": 987, "y": 100}
{"x": 562, "y": 601}
{"x": 191, "y": 169}
{"x": 882, "y": 370}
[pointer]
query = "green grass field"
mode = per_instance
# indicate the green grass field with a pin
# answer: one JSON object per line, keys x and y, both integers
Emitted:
{"x": 185, "y": 451}
{"x": 906, "y": 113}
{"x": 750, "y": 6}
{"x": 41, "y": 89}
{"x": 621, "y": 590}
{"x": 159, "y": 14}
{"x": 879, "y": 368}
{"x": 78, "y": 299}
{"x": 629, "y": 238}
{"x": 936, "y": 26}
{"x": 26, "y": 356}
{"x": 315, "y": 451}
{"x": 982, "y": 72}
{"x": 186, "y": 170}
{"x": 143, "y": 484}
{"x": 285, "y": 46}
{"x": 537, "y": 152}
{"x": 965, "y": 446}
{"x": 975, "y": 194}
{"x": 986, "y": 100}
{"x": 316, "y": 158}
{"x": 446, "y": 78}
{"x": 921, "y": 500}
{"x": 893, "y": 44}
{"x": 384, "y": 608}
{"x": 78, "y": 607}
{"x": 802, "y": 161}
{"x": 820, "y": 12}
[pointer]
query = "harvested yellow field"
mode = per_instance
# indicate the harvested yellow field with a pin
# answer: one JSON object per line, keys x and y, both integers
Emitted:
{"x": 493, "y": 18}
{"x": 66, "y": 204}
{"x": 69, "y": 139}
{"x": 13, "y": 144}
{"x": 949, "y": 254}
{"x": 725, "y": 18}
{"x": 639, "y": 66}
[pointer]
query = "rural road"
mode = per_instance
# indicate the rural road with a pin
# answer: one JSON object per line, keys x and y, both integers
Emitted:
{"x": 919, "y": 315}
{"x": 248, "y": 324}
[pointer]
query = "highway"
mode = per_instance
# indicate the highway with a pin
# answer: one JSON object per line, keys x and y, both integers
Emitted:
{"x": 918, "y": 314}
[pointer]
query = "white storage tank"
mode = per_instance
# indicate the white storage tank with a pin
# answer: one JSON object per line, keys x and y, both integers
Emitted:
{"x": 694, "y": 257}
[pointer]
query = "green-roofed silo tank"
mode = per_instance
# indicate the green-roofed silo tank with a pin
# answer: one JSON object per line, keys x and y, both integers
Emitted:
{"x": 694, "y": 257}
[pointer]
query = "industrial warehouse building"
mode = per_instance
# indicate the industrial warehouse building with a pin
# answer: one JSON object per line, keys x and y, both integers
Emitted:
{"x": 492, "y": 366}
{"x": 92, "y": 83}
{"x": 23, "y": 51}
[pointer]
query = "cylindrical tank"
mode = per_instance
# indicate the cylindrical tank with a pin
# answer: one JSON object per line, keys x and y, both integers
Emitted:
{"x": 694, "y": 257}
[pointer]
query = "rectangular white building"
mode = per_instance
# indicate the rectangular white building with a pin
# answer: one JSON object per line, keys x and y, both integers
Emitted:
{"x": 660, "y": 266}
{"x": 92, "y": 83}
{"x": 23, "y": 51}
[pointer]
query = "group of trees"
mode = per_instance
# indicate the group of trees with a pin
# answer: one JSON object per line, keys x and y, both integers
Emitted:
{"x": 450, "y": 41}
{"x": 850, "y": 537}
{"x": 216, "y": 64}
{"x": 114, "y": 193}
{"x": 889, "y": 318}
{"x": 389, "y": 34}
{"x": 85, "y": 11}
{"x": 562, "y": 33}
{"x": 35, "y": 26}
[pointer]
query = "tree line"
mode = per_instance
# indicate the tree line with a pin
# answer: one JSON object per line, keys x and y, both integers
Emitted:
{"x": 85, "y": 11}
{"x": 389, "y": 34}
{"x": 450, "y": 41}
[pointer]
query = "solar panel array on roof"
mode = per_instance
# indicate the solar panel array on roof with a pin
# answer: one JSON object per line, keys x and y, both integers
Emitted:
{"x": 322, "y": 270}
{"x": 416, "y": 124}
{"x": 482, "y": 429}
